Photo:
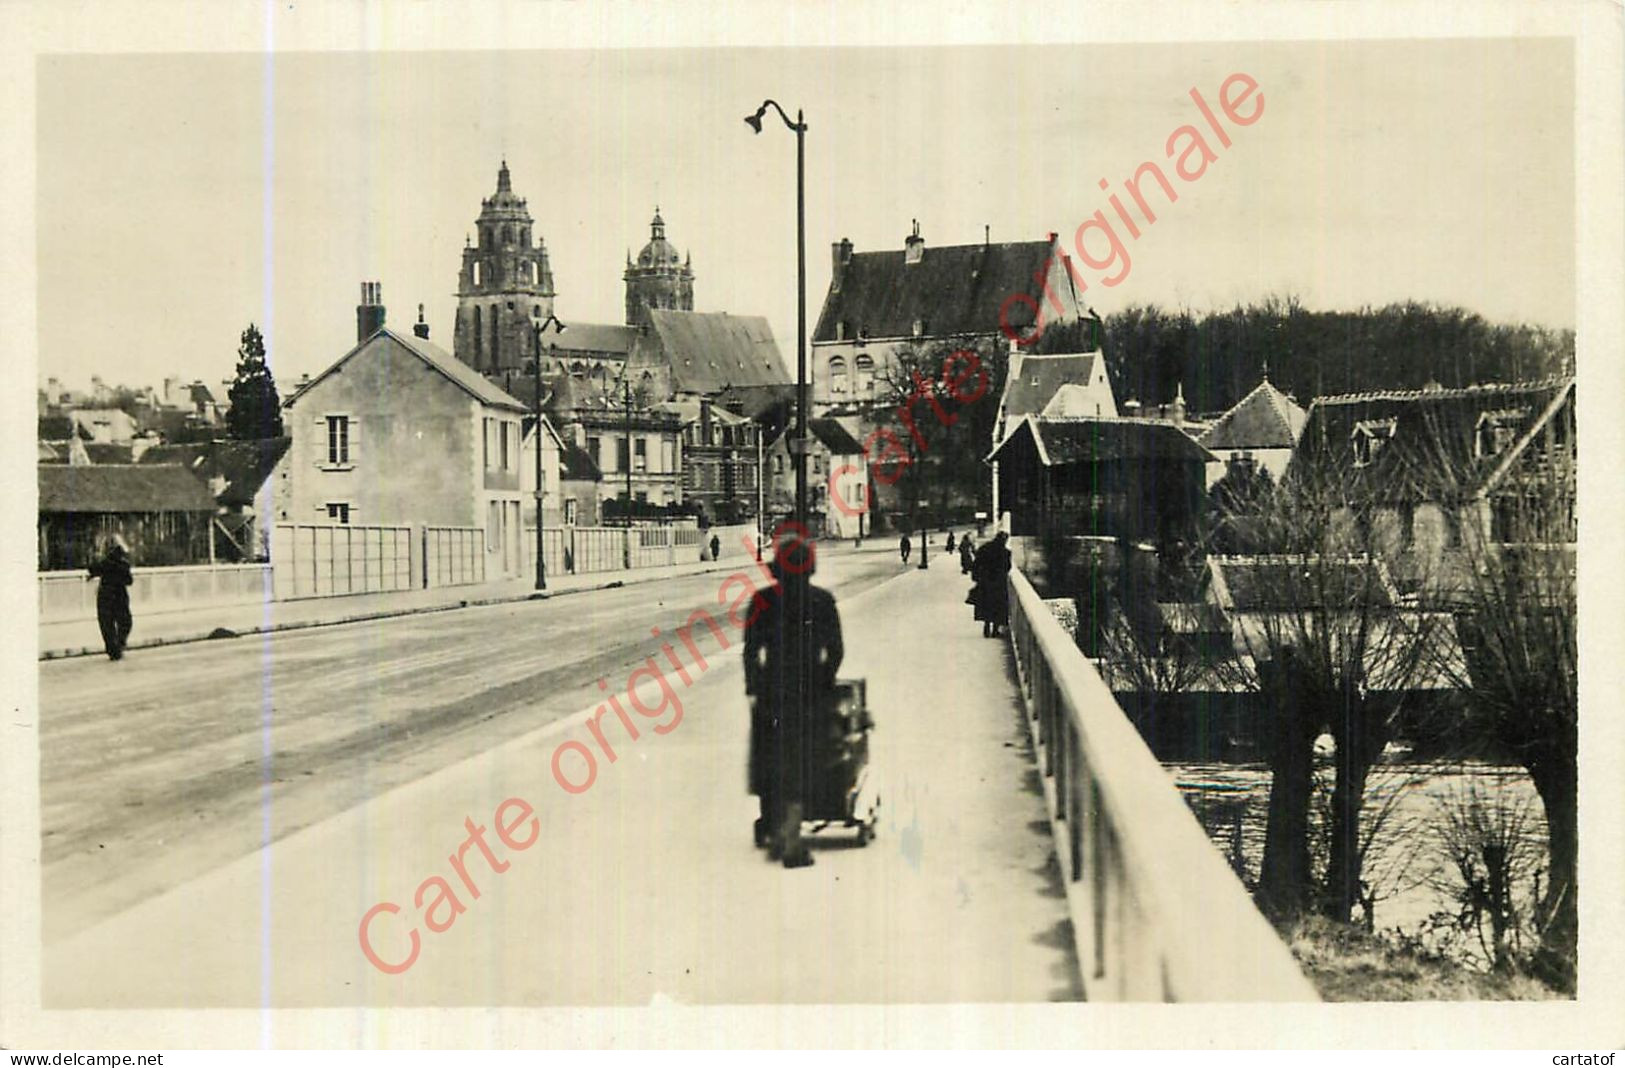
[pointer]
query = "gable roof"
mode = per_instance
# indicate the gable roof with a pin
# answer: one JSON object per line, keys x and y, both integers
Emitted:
{"x": 1063, "y": 441}
{"x": 1037, "y": 379}
{"x": 1429, "y": 450}
{"x": 121, "y": 488}
{"x": 710, "y": 351}
{"x": 578, "y": 465}
{"x": 244, "y": 465}
{"x": 463, "y": 376}
{"x": 836, "y": 438}
{"x": 1266, "y": 418}
{"x": 953, "y": 289}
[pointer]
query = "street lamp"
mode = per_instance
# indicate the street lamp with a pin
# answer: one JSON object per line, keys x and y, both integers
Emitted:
{"x": 798, "y": 444}
{"x": 541, "y": 482}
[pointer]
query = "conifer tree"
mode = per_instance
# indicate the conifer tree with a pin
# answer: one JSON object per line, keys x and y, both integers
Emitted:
{"x": 256, "y": 410}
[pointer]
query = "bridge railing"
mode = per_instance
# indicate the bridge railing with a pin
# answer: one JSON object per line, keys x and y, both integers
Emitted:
{"x": 1157, "y": 913}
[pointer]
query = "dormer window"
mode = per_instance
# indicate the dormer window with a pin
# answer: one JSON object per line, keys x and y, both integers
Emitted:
{"x": 1369, "y": 437}
{"x": 919, "y": 327}
{"x": 840, "y": 331}
{"x": 1496, "y": 431}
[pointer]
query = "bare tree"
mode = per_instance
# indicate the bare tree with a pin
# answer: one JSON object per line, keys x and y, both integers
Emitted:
{"x": 1327, "y": 641}
{"x": 1513, "y": 591}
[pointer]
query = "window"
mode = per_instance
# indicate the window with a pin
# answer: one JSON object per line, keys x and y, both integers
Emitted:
{"x": 338, "y": 511}
{"x": 569, "y": 511}
{"x": 1407, "y": 526}
{"x": 1452, "y": 527}
{"x": 864, "y": 382}
{"x": 837, "y": 374}
{"x": 477, "y": 276}
{"x": 1369, "y": 436}
{"x": 621, "y": 461}
{"x": 487, "y": 443}
{"x": 595, "y": 448}
{"x": 778, "y": 465}
{"x": 668, "y": 455}
{"x": 507, "y": 446}
{"x": 338, "y": 440}
{"x": 640, "y": 455}
{"x": 1497, "y": 430}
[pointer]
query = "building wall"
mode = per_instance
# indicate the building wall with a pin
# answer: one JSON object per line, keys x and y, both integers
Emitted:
{"x": 415, "y": 446}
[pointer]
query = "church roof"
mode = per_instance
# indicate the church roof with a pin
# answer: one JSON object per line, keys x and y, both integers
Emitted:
{"x": 1266, "y": 418}
{"x": 710, "y": 351}
{"x": 608, "y": 338}
{"x": 953, "y": 289}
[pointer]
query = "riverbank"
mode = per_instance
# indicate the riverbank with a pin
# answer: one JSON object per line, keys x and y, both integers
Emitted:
{"x": 1347, "y": 964}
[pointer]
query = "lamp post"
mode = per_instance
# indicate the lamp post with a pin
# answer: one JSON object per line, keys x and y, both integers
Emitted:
{"x": 798, "y": 444}
{"x": 541, "y": 481}
{"x": 626, "y": 389}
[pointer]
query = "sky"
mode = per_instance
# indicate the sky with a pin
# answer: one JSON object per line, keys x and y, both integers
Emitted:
{"x": 181, "y": 197}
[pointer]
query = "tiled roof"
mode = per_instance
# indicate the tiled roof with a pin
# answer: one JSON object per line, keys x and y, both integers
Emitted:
{"x": 121, "y": 488}
{"x": 710, "y": 351}
{"x": 1280, "y": 583}
{"x": 1429, "y": 436}
{"x": 245, "y": 465}
{"x": 1266, "y": 418}
{"x": 953, "y": 289}
{"x": 836, "y": 438}
{"x": 1065, "y": 441}
{"x": 591, "y": 338}
{"x": 464, "y": 376}
{"x": 1040, "y": 377}
{"x": 578, "y": 466}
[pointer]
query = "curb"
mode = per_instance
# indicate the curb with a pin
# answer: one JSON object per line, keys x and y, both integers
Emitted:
{"x": 220, "y": 633}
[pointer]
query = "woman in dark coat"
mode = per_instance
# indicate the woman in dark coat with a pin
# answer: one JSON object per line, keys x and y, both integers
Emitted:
{"x": 967, "y": 555}
{"x": 992, "y": 593}
{"x": 113, "y": 597}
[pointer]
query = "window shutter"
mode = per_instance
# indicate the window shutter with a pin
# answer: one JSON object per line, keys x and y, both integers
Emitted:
{"x": 355, "y": 437}
{"x": 319, "y": 459}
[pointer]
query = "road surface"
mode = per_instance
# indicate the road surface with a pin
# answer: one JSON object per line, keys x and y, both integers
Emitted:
{"x": 219, "y": 818}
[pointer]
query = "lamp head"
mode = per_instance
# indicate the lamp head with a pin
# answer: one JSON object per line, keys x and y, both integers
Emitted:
{"x": 755, "y": 121}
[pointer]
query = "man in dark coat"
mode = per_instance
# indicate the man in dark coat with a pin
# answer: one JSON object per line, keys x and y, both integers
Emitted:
{"x": 905, "y": 546}
{"x": 777, "y": 666}
{"x": 113, "y": 597}
{"x": 992, "y": 594}
{"x": 967, "y": 554}
{"x": 716, "y": 547}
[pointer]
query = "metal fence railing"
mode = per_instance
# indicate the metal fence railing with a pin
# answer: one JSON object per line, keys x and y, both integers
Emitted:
{"x": 1157, "y": 913}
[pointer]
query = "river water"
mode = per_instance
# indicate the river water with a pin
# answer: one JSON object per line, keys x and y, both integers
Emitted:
{"x": 1408, "y": 814}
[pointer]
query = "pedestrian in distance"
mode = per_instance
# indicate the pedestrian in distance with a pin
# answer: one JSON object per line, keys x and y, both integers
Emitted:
{"x": 716, "y": 547}
{"x": 777, "y": 667}
{"x": 113, "y": 596}
{"x": 950, "y": 541}
{"x": 967, "y": 554}
{"x": 905, "y": 546}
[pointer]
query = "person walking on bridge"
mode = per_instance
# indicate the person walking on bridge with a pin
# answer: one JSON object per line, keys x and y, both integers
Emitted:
{"x": 992, "y": 594}
{"x": 113, "y": 597}
{"x": 778, "y": 665}
{"x": 905, "y": 546}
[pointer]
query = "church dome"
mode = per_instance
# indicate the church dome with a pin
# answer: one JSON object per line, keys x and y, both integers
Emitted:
{"x": 659, "y": 252}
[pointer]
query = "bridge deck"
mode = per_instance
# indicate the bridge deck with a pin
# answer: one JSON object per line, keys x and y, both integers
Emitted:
{"x": 645, "y": 887}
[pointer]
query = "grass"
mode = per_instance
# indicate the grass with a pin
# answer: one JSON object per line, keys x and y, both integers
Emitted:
{"x": 1347, "y": 964}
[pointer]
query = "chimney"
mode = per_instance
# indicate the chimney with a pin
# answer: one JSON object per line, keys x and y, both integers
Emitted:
{"x": 369, "y": 314}
{"x": 841, "y": 255}
{"x": 914, "y": 245}
{"x": 1131, "y": 407}
{"x": 1177, "y": 408}
{"x": 420, "y": 328}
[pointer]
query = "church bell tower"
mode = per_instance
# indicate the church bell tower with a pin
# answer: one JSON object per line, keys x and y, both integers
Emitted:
{"x": 505, "y": 285}
{"x": 659, "y": 278}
